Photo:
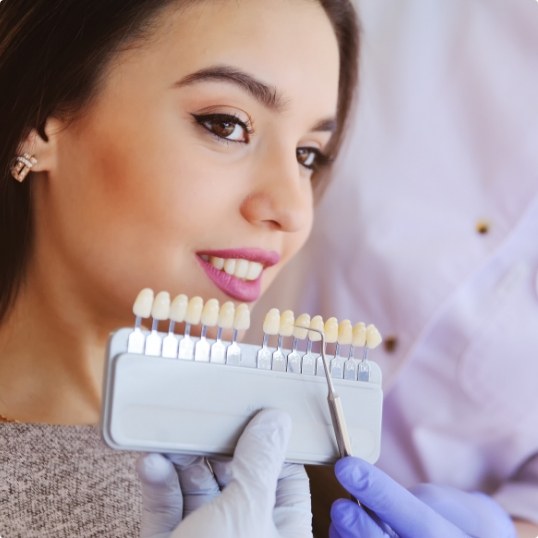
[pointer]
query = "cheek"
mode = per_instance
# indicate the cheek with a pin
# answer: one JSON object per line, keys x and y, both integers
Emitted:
{"x": 293, "y": 243}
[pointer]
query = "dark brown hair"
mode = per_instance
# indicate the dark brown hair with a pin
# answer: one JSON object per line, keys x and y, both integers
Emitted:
{"x": 52, "y": 55}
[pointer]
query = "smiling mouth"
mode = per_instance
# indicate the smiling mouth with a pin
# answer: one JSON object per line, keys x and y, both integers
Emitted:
{"x": 238, "y": 272}
{"x": 236, "y": 267}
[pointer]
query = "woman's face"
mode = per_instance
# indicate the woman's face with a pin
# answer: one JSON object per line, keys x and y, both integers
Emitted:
{"x": 191, "y": 169}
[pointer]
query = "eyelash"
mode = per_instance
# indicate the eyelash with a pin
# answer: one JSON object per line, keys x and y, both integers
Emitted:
{"x": 209, "y": 121}
{"x": 320, "y": 159}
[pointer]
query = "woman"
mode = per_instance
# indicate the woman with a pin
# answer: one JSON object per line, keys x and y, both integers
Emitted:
{"x": 139, "y": 140}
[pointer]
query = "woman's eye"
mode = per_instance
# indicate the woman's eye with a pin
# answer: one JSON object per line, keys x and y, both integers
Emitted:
{"x": 311, "y": 158}
{"x": 225, "y": 127}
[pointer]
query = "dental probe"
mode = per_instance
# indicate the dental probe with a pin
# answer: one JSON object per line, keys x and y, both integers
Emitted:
{"x": 335, "y": 404}
{"x": 340, "y": 428}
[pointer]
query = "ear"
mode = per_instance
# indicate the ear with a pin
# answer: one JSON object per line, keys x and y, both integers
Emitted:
{"x": 43, "y": 146}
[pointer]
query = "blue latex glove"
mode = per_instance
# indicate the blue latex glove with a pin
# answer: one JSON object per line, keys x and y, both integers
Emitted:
{"x": 252, "y": 494}
{"x": 427, "y": 511}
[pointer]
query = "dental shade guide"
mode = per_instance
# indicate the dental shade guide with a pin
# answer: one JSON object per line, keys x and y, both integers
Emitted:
{"x": 343, "y": 338}
{"x": 178, "y": 311}
{"x": 225, "y": 321}
{"x": 373, "y": 339}
{"x": 192, "y": 317}
{"x": 208, "y": 318}
{"x": 330, "y": 334}
{"x": 299, "y": 333}
{"x": 241, "y": 323}
{"x": 141, "y": 309}
{"x": 271, "y": 324}
{"x": 285, "y": 328}
{"x": 177, "y": 392}
{"x": 308, "y": 366}
{"x": 159, "y": 311}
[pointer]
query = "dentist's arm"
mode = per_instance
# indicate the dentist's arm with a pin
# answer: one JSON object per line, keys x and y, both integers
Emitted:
{"x": 428, "y": 511}
{"x": 253, "y": 494}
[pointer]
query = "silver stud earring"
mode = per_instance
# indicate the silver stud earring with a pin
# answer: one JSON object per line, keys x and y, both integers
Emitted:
{"x": 22, "y": 166}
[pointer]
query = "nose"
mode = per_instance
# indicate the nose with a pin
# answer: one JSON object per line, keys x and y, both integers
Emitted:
{"x": 281, "y": 195}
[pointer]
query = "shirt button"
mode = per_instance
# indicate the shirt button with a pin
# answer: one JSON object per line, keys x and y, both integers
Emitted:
{"x": 482, "y": 226}
{"x": 390, "y": 343}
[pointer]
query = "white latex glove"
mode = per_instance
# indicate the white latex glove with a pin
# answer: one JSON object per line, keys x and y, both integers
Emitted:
{"x": 260, "y": 497}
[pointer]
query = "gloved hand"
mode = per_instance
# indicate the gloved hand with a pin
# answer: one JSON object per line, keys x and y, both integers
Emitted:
{"x": 427, "y": 511}
{"x": 260, "y": 497}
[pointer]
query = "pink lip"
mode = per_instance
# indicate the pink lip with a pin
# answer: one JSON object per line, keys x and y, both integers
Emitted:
{"x": 242, "y": 290}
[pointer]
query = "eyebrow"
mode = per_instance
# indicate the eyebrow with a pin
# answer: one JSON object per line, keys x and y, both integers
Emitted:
{"x": 266, "y": 94}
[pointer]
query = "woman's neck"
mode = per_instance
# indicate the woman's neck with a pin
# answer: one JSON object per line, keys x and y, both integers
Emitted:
{"x": 51, "y": 362}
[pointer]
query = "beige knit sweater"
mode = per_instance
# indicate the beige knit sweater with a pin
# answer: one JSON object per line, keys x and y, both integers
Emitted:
{"x": 64, "y": 482}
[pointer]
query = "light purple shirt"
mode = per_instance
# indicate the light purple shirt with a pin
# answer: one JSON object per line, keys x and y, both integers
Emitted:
{"x": 444, "y": 144}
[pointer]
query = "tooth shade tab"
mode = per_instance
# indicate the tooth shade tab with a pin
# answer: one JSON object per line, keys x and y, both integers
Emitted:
{"x": 373, "y": 337}
{"x": 226, "y": 315}
{"x": 236, "y": 267}
{"x": 178, "y": 308}
{"x": 330, "y": 329}
{"x": 303, "y": 320}
{"x": 242, "y": 317}
{"x": 210, "y": 313}
{"x": 359, "y": 335}
{"x": 271, "y": 323}
{"x": 161, "y": 306}
{"x": 345, "y": 332}
{"x": 287, "y": 320}
{"x": 316, "y": 323}
{"x": 143, "y": 303}
{"x": 194, "y": 310}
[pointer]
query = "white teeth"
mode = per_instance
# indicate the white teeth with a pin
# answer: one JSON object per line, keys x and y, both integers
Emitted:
{"x": 241, "y": 268}
{"x": 254, "y": 270}
{"x": 217, "y": 263}
{"x": 237, "y": 267}
{"x": 229, "y": 266}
